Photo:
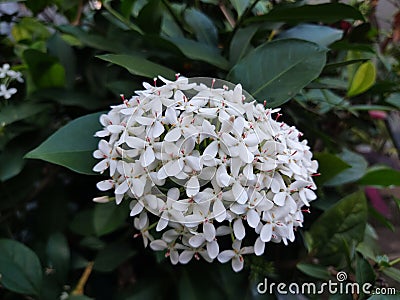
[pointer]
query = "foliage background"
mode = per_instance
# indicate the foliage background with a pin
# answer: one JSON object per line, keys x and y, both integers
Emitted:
{"x": 330, "y": 67}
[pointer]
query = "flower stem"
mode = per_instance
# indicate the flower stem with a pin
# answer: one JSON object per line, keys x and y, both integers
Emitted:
{"x": 84, "y": 278}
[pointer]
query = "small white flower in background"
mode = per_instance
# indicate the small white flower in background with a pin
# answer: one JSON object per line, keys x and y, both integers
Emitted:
{"x": 209, "y": 167}
{"x": 6, "y": 77}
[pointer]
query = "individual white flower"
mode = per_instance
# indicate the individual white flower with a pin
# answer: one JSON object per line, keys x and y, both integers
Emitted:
{"x": 199, "y": 158}
{"x": 5, "y": 92}
{"x": 236, "y": 255}
{"x": 3, "y": 70}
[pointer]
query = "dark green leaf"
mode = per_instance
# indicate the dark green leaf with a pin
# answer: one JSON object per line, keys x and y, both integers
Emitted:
{"x": 392, "y": 273}
{"x": 138, "y": 65}
{"x": 315, "y": 271}
{"x": 358, "y": 167}
{"x": 83, "y": 223}
{"x": 16, "y": 112}
{"x": 321, "y": 35}
{"x": 71, "y": 146}
{"x": 276, "y": 71}
{"x": 329, "y": 166}
{"x": 20, "y": 268}
{"x": 44, "y": 70}
{"x": 11, "y": 162}
{"x": 342, "y": 224}
{"x": 150, "y": 16}
{"x": 364, "y": 272}
{"x": 326, "y": 13}
{"x": 109, "y": 217}
{"x": 58, "y": 256}
{"x": 381, "y": 176}
{"x": 112, "y": 256}
{"x": 202, "y": 26}
{"x": 92, "y": 40}
{"x": 240, "y": 43}
{"x": 66, "y": 56}
{"x": 92, "y": 242}
{"x": 198, "y": 51}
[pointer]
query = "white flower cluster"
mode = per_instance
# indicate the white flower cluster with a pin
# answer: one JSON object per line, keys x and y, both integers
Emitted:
{"x": 208, "y": 164}
{"x": 6, "y": 77}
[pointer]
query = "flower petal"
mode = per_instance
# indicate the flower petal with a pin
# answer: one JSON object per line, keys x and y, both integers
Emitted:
{"x": 238, "y": 229}
{"x": 186, "y": 256}
{"x": 253, "y": 218}
{"x": 237, "y": 263}
{"x": 192, "y": 186}
{"x": 259, "y": 247}
{"x": 213, "y": 249}
{"x": 225, "y": 256}
{"x": 209, "y": 231}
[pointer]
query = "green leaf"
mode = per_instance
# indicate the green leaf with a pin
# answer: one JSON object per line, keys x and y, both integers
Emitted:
{"x": 342, "y": 224}
{"x": 325, "y": 99}
{"x": 321, "y": 35}
{"x": 394, "y": 99}
{"x": 315, "y": 271}
{"x": 108, "y": 259}
{"x": 72, "y": 145}
{"x": 364, "y": 273}
{"x": 202, "y": 26}
{"x": 58, "y": 255}
{"x": 336, "y": 65}
{"x": 83, "y": 223}
{"x": 240, "y": 6}
{"x": 198, "y": 51}
{"x": 329, "y": 166}
{"x": 44, "y": 70}
{"x": 20, "y": 268}
{"x": 66, "y": 56}
{"x": 358, "y": 167}
{"x": 392, "y": 273}
{"x": 326, "y": 13}
{"x": 138, "y": 65}
{"x": 16, "y": 112}
{"x": 240, "y": 43}
{"x": 363, "y": 79}
{"x": 29, "y": 29}
{"x": 11, "y": 162}
{"x": 109, "y": 216}
{"x": 381, "y": 176}
{"x": 277, "y": 70}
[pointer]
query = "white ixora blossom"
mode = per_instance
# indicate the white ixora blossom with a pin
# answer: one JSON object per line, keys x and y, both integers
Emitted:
{"x": 6, "y": 77}
{"x": 212, "y": 169}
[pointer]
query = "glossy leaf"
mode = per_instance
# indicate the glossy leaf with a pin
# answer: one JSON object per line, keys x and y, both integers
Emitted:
{"x": 358, "y": 167}
{"x": 321, "y": 35}
{"x": 138, "y": 65}
{"x": 240, "y": 43}
{"x": 381, "y": 176}
{"x": 20, "y": 268}
{"x": 342, "y": 224}
{"x": 392, "y": 273}
{"x": 363, "y": 79}
{"x": 329, "y": 166}
{"x": 70, "y": 146}
{"x": 11, "y": 162}
{"x": 276, "y": 71}
{"x": 202, "y": 52}
{"x": 326, "y": 13}
{"x": 202, "y": 26}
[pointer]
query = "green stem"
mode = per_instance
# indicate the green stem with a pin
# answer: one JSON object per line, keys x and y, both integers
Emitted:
{"x": 393, "y": 262}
